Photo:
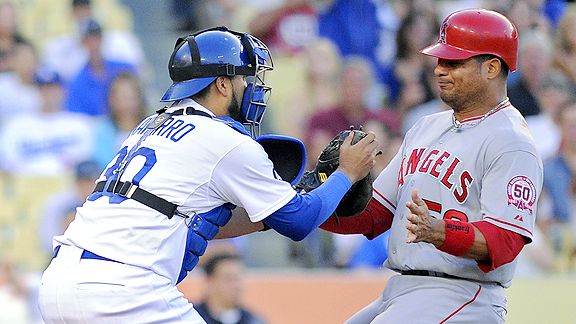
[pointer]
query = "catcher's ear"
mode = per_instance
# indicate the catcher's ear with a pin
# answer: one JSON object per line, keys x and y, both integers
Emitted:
{"x": 288, "y": 154}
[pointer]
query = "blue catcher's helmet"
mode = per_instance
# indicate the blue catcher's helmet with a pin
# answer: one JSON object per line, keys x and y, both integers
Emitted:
{"x": 199, "y": 58}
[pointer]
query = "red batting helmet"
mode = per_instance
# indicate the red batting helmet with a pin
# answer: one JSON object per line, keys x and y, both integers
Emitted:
{"x": 472, "y": 32}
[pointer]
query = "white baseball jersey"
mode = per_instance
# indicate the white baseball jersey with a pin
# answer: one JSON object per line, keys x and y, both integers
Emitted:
{"x": 485, "y": 168}
{"x": 196, "y": 162}
{"x": 45, "y": 144}
{"x": 17, "y": 97}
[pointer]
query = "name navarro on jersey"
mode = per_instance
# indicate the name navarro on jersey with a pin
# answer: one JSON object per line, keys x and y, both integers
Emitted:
{"x": 173, "y": 129}
{"x": 435, "y": 164}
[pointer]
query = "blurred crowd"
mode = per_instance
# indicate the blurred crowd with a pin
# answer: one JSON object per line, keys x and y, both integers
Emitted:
{"x": 75, "y": 79}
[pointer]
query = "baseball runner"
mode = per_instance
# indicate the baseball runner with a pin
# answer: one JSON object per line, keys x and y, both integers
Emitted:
{"x": 460, "y": 195}
{"x": 174, "y": 184}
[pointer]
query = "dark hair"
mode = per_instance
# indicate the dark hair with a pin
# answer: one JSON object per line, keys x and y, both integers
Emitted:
{"x": 485, "y": 57}
{"x": 202, "y": 93}
{"x": 77, "y": 3}
{"x": 212, "y": 263}
{"x": 136, "y": 81}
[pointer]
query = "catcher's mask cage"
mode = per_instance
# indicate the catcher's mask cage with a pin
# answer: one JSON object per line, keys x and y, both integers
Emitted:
{"x": 198, "y": 59}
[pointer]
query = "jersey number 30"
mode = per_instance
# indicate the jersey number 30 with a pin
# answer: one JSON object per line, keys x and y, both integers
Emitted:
{"x": 111, "y": 175}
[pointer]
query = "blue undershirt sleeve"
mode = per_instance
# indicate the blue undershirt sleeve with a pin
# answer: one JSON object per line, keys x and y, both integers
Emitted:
{"x": 305, "y": 212}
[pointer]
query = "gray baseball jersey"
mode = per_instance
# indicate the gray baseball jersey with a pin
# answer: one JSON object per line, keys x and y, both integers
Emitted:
{"x": 483, "y": 168}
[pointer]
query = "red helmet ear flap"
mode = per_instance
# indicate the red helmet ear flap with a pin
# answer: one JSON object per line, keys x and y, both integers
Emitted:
{"x": 472, "y": 32}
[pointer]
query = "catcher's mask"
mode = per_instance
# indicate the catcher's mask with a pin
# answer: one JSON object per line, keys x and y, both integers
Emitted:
{"x": 199, "y": 58}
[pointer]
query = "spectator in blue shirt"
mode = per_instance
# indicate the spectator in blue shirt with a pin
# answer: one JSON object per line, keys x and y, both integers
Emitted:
{"x": 87, "y": 91}
{"x": 560, "y": 180}
{"x": 366, "y": 28}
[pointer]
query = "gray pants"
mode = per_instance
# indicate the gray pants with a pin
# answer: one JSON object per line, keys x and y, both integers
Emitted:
{"x": 420, "y": 299}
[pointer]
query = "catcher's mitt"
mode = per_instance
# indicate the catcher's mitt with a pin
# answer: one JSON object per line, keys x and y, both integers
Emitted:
{"x": 357, "y": 198}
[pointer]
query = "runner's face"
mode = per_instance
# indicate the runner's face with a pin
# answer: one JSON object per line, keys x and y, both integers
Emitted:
{"x": 460, "y": 82}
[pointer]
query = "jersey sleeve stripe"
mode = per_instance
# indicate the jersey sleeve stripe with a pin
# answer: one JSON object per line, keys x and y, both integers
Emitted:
{"x": 508, "y": 224}
{"x": 385, "y": 201}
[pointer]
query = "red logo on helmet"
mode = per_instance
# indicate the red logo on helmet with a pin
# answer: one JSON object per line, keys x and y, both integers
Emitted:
{"x": 443, "y": 33}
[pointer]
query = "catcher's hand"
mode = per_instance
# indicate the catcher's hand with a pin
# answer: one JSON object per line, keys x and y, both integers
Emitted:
{"x": 353, "y": 152}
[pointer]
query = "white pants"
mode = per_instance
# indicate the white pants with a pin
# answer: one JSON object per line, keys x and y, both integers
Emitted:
{"x": 75, "y": 290}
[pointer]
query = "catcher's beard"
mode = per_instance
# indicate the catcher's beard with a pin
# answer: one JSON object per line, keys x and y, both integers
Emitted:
{"x": 234, "y": 110}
